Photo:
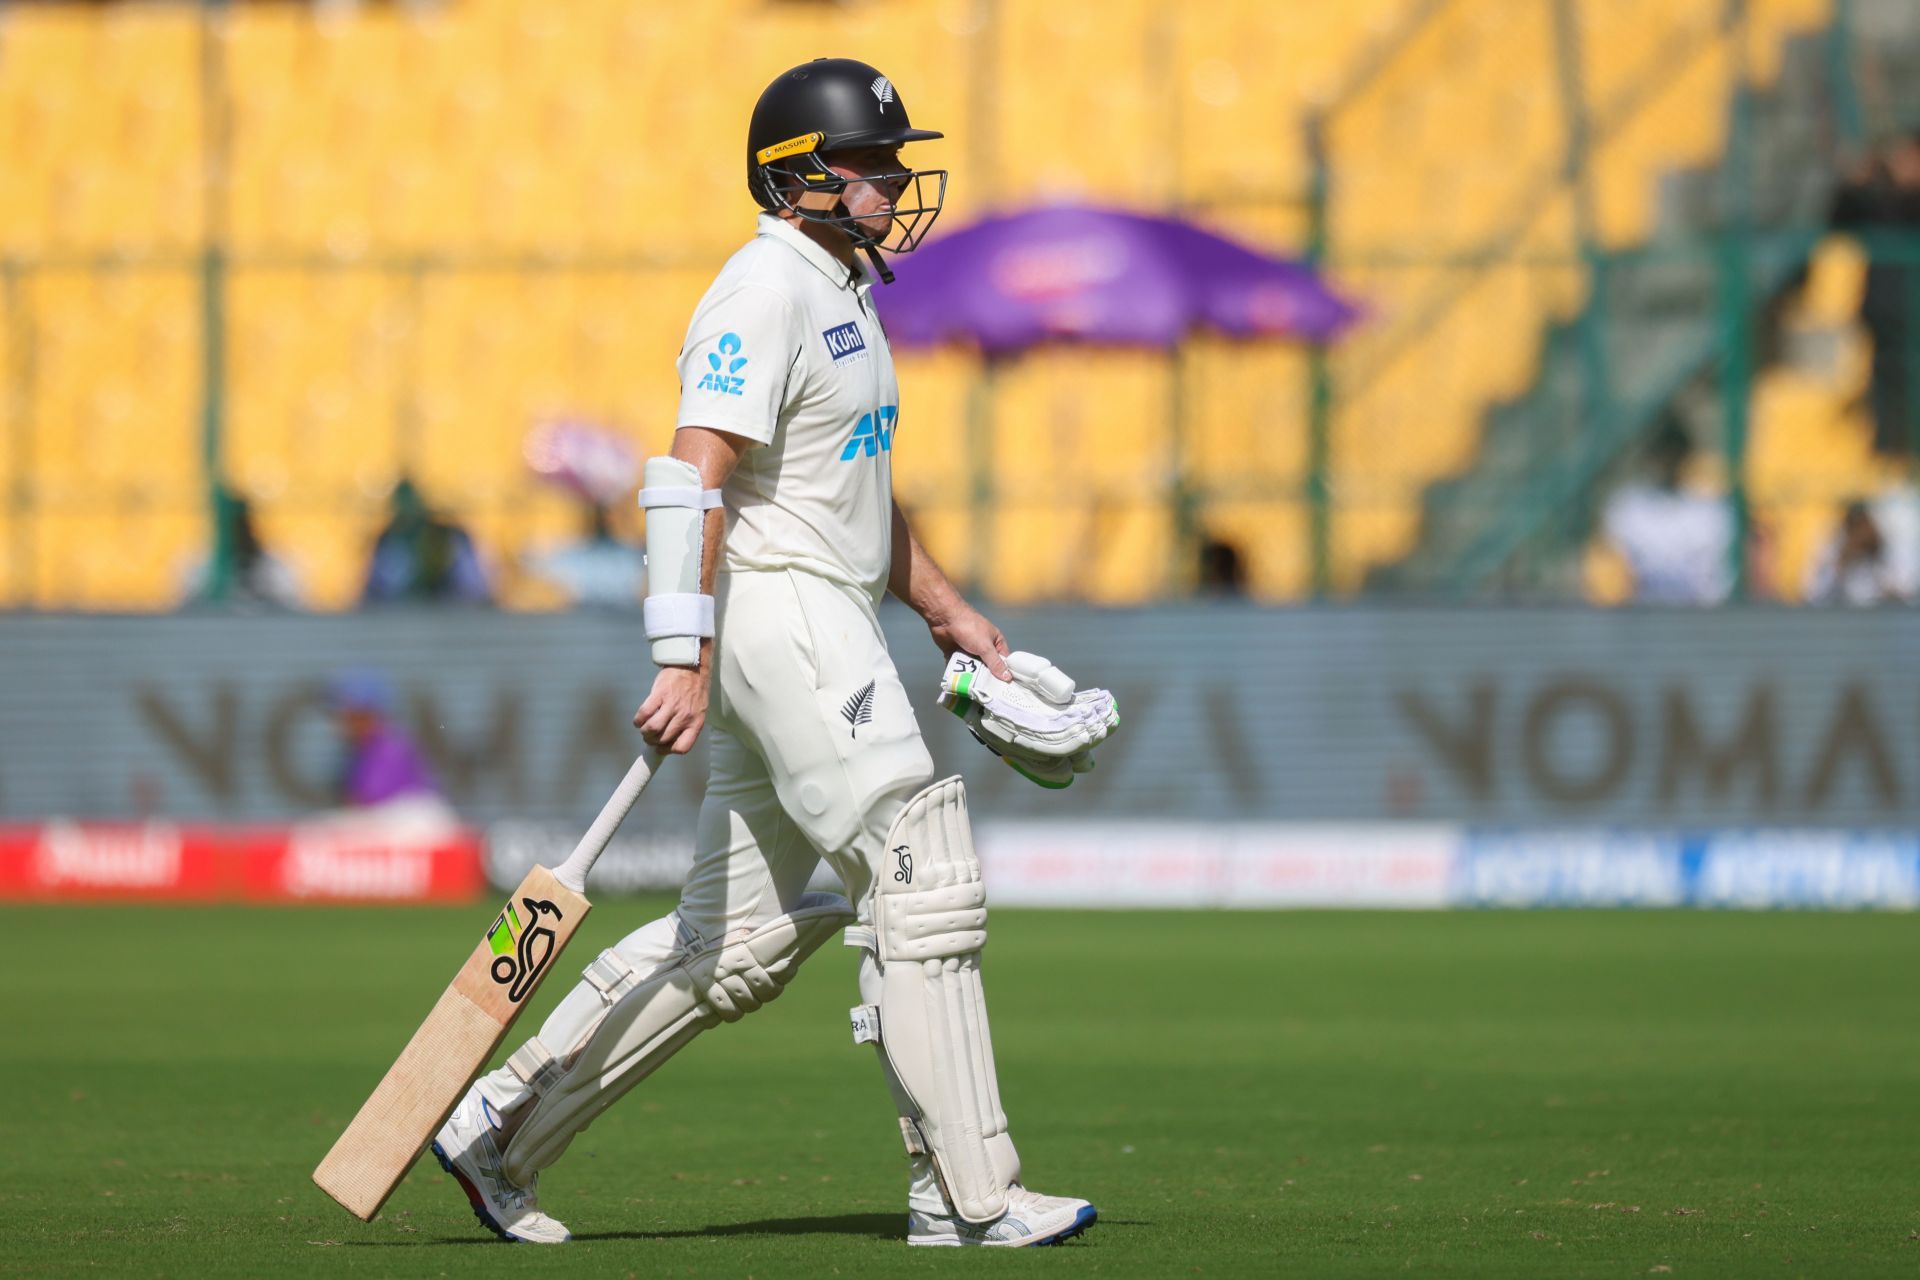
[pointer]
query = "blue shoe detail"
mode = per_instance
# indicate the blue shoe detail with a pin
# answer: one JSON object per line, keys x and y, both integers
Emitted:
{"x": 1081, "y": 1221}
{"x": 474, "y": 1197}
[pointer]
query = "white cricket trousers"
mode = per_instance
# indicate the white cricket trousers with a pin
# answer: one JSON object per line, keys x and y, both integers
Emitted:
{"x": 815, "y": 750}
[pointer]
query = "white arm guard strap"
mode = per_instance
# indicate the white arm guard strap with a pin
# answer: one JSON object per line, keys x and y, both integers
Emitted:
{"x": 676, "y": 613}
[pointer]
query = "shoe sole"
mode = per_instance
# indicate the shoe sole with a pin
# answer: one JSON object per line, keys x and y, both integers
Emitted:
{"x": 1081, "y": 1221}
{"x": 474, "y": 1198}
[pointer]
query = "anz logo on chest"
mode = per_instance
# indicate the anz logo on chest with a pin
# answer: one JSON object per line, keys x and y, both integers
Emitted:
{"x": 872, "y": 435}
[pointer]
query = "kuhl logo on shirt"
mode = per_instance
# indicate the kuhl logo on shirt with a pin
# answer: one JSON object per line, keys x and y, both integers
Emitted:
{"x": 872, "y": 435}
{"x": 724, "y": 375}
{"x": 844, "y": 340}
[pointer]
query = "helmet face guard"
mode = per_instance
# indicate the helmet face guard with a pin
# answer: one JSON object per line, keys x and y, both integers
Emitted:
{"x": 790, "y": 169}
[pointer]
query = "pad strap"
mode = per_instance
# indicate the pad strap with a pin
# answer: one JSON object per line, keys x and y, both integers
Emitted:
{"x": 678, "y": 614}
{"x": 536, "y": 1066}
{"x": 679, "y": 495}
{"x": 611, "y": 976}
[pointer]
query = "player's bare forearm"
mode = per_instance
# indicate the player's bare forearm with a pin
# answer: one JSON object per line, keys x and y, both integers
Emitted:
{"x": 914, "y": 577}
{"x": 918, "y": 580}
{"x": 676, "y": 709}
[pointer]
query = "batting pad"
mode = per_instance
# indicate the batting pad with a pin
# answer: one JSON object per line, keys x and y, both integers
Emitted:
{"x": 646, "y": 1019}
{"x": 929, "y": 1016}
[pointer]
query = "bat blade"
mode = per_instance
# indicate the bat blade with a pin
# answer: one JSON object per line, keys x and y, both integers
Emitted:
{"x": 453, "y": 1045}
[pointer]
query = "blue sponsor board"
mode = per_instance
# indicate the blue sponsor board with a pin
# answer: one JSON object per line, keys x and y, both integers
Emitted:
{"x": 1755, "y": 870}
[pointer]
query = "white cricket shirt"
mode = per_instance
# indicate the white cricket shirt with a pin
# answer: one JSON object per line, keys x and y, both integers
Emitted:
{"x": 785, "y": 350}
{"x": 1677, "y": 544}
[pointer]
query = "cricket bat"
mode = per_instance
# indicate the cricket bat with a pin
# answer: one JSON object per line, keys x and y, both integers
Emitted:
{"x": 471, "y": 1018}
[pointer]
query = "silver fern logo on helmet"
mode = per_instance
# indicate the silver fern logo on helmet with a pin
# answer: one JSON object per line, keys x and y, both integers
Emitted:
{"x": 883, "y": 90}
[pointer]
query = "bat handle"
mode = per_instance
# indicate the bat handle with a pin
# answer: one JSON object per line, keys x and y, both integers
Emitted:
{"x": 573, "y": 872}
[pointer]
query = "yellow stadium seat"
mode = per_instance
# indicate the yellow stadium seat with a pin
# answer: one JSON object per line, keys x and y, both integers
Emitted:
{"x": 1836, "y": 282}
{"x": 934, "y": 447}
{"x": 1811, "y": 438}
{"x": 116, "y": 385}
{"x": 410, "y": 189}
{"x": 1811, "y": 455}
{"x": 1274, "y": 543}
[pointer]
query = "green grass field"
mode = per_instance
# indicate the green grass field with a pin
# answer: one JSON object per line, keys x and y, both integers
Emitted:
{"x": 1529, "y": 1094}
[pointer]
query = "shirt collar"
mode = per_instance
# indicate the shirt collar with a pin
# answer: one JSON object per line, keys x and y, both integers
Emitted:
{"x": 817, "y": 257}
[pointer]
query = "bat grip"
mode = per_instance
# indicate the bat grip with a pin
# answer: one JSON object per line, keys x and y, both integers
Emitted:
{"x": 573, "y": 872}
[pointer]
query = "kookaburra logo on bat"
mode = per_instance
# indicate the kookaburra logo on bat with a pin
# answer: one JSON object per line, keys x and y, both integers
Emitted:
{"x": 521, "y": 950}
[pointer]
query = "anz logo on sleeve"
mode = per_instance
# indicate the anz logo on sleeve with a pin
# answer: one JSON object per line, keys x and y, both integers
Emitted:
{"x": 723, "y": 368}
{"x": 872, "y": 435}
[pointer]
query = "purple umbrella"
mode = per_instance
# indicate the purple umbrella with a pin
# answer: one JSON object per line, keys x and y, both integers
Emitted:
{"x": 1098, "y": 275}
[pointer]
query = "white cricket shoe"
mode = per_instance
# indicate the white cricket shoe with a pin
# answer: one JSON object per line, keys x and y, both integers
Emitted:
{"x": 1030, "y": 1219}
{"x": 466, "y": 1149}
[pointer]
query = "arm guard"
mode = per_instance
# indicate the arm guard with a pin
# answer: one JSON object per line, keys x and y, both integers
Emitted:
{"x": 676, "y": 613}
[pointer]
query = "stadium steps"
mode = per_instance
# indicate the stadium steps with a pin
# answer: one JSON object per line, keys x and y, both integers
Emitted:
{"x": 1519, "y": 517}
{"x": 1452, "y": 211}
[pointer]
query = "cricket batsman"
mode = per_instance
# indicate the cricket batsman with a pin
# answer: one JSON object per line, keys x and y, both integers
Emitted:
{"x": 772, "y": 534}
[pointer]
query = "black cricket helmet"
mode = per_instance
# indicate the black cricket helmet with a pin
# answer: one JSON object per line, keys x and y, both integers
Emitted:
{"x": 838, "y": 104}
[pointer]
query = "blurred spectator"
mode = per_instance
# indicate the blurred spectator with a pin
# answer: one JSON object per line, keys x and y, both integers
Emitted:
{"x": 255, "y": 575}
{"x": 1223, "y": 574}
{"x": 419, "y": 556}
{"x": 382, "y": 763}
{"x": 1675, "y": 543}
{"x": 1854, "y": 568}
{"x": 597, "y": 570}
{"x": 1884, "y": 197}
{"x": 1897, "y": 512}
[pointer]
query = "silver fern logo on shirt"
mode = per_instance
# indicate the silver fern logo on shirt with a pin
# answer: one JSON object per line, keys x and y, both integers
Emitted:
{"x": 858, "y": 710}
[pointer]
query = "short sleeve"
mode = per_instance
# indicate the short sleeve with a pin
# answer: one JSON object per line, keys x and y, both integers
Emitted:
{"x": 733, "y": 368}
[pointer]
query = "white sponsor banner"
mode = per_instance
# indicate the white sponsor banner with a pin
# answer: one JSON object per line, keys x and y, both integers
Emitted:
{"x": 1837, "y": 869}
{"x": 1352, "y": 865}
{"x": 1572, "y": 868}
{"x": 1178, "y": 864}
{"x": 637, "y": 861}
{"x": 641, "y": 861}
